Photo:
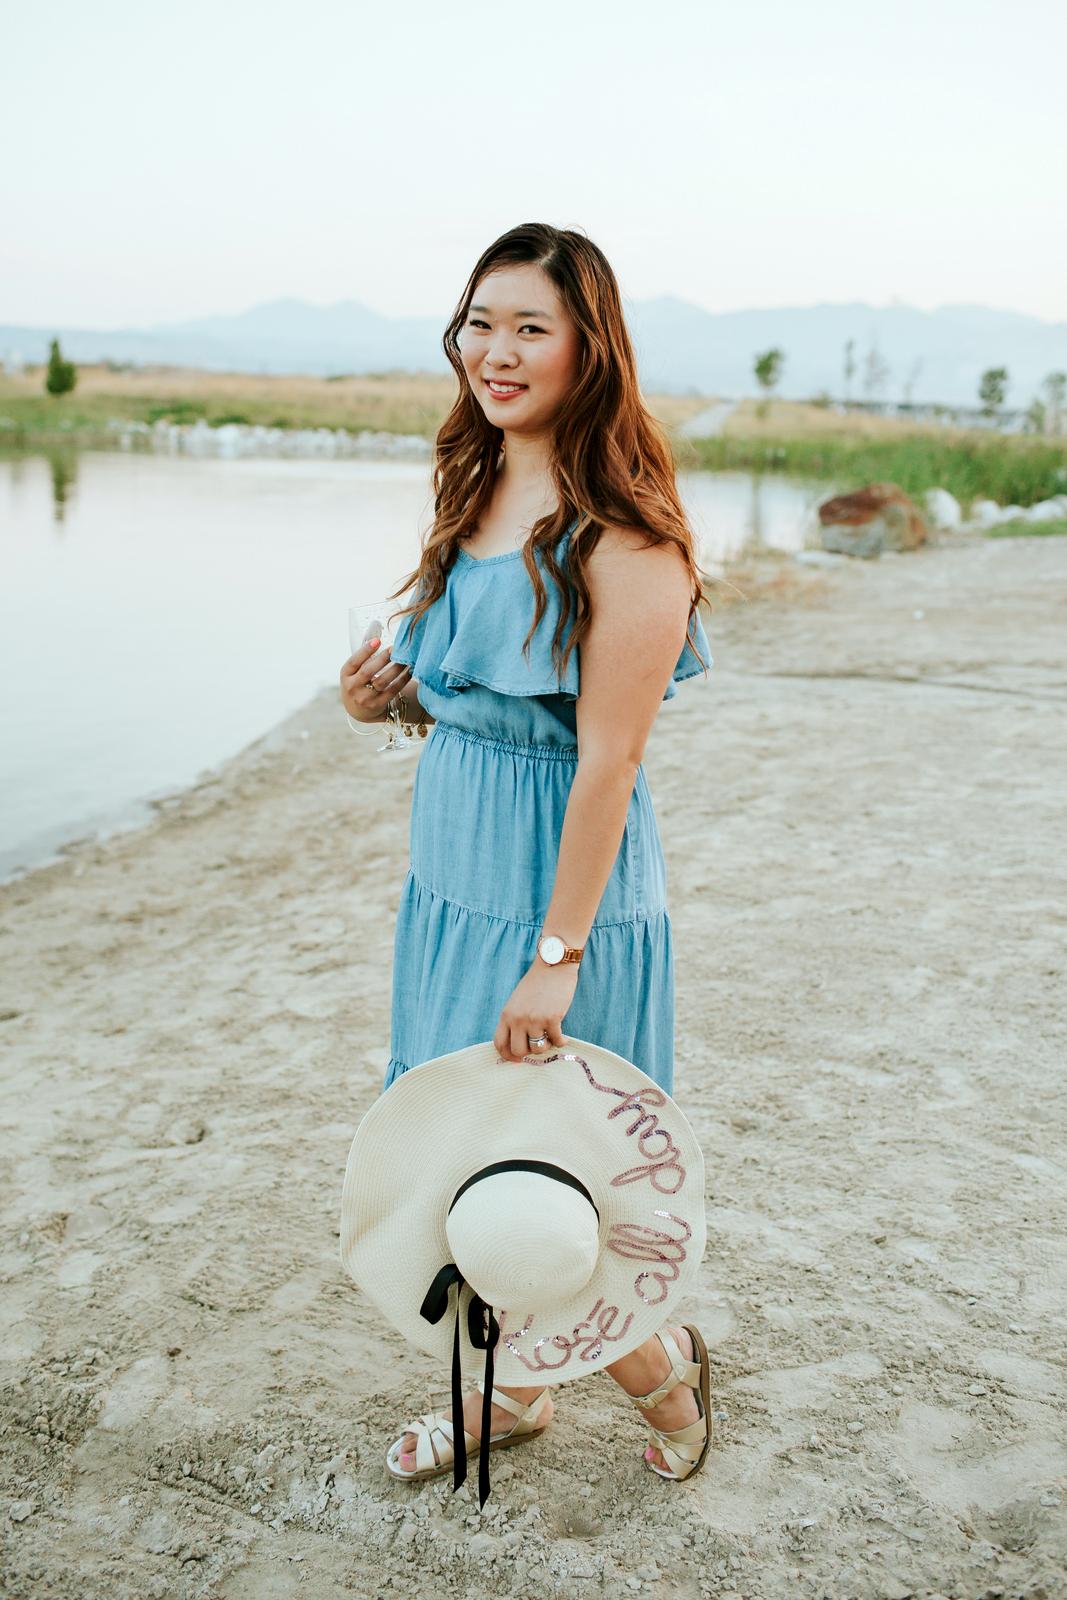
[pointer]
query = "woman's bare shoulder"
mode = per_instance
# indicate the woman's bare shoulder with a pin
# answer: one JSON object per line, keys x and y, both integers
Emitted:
{"x": 621, "y": 548}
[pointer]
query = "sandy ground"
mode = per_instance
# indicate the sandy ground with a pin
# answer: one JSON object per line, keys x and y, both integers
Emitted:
{"x": 863, "y": 818}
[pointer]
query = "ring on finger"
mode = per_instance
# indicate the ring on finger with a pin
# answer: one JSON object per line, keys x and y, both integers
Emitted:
{"x": 537, "y": 1044}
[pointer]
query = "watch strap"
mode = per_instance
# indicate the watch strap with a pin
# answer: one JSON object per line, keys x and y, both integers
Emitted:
{"x": 571, "y": 955}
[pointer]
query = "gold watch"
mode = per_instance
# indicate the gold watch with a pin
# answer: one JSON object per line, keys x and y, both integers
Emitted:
{"x": 555, "y": 953}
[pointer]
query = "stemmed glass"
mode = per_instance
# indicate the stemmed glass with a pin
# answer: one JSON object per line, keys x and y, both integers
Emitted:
{"x": 373, "y": 622}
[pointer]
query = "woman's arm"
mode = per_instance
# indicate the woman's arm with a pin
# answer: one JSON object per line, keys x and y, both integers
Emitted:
{"x": 640, "y": 599}
{"x": 369, "y": 680}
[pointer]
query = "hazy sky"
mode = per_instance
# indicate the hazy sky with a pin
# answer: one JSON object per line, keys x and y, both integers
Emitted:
{"x": 166, "y": 160}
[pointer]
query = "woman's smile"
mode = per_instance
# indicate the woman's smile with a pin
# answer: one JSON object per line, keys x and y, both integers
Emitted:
{"x": 502, "y": 389}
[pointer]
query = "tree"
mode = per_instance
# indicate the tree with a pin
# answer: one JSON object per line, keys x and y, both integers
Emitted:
{"x": 875, "y": 373}
{"x": 850, "y": 368}
{"x": 62, "y": 375}
{"x": 992, "y": 389}
{"x": 768, "y": 370}
{"x": 911, "y": 380}
{"x": 1055, "y": 386}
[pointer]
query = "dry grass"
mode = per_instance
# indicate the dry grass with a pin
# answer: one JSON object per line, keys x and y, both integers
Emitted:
{"x": 391, "y": 403}
{"x": 792, "y": 419}
{"x": 674, "y": 409}
{"x": 775, "y": 576}
{"x": 395, "y": 402}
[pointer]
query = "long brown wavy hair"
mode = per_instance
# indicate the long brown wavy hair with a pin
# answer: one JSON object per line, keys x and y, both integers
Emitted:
{"x": 612, "y": 462}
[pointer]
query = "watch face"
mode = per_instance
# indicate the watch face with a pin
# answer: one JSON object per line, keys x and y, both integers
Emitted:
{"x": 552, "y": 950}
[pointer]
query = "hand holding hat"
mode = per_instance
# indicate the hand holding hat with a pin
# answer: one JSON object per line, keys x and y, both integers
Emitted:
{"x": 555, "y": 1207}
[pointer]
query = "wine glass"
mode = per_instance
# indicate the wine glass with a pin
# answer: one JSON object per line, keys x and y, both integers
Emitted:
{"x": 373, "y": 622}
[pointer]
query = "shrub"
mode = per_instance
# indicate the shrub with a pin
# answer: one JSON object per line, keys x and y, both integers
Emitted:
{"x": 177, "y": 411}
{"x": 992, "y": 389}
{"x": 61, "y": 375}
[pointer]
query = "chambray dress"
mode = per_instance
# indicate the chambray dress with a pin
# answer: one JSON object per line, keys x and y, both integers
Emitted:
{"x": 487, "y": 814}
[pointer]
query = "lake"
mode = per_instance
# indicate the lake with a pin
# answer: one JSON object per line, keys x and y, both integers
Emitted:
{"x": 159, "y": 613}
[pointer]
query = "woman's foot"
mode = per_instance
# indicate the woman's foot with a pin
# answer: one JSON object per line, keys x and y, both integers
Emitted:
{"x": 643, "y": 1371}
{"x": 500, "y": 1421}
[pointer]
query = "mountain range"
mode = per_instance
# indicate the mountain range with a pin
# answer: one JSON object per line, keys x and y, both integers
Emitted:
{"x": 924, "y": 356}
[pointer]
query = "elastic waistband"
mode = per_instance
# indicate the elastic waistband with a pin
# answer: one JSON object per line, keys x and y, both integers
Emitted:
{"x": 533, "y": 752}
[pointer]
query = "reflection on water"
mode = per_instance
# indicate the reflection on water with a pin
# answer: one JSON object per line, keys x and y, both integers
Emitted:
{"x": 158, "y": 613}
{"x": 732, "y": 513}
{"x": 64, "y": 465}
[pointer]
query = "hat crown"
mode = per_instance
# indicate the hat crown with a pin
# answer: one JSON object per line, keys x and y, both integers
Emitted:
{"x": 523, "y": 1240}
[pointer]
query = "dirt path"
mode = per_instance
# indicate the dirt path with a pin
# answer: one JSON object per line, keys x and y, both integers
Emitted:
{"x": 863, "y": 813}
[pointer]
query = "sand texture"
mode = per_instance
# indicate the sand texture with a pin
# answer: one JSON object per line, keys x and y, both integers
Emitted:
{"x": 863, "y": 817}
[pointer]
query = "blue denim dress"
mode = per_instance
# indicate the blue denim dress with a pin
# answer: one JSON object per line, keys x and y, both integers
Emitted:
{"x": 490, "y": 796}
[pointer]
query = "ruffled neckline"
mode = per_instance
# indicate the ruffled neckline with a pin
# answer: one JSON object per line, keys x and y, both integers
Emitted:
{"x": 486, "y": 561}
{"x": 474, "y": 635}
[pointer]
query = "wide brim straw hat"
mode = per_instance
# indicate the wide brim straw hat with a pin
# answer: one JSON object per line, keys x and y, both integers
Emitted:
{"x": 559, "y": 1200}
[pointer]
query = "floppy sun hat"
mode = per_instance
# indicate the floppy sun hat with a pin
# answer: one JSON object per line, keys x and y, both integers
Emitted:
{"x": 538, "y": 1220}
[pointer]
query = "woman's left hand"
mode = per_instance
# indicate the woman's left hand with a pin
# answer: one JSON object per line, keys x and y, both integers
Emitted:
{"x": 536, "y": 1010}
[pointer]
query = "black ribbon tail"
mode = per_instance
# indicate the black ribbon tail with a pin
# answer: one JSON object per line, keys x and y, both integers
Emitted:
{"x": 433, "y": 1309}
{"x": 484, "y": 1331}
{"x": 487, "y": 1407}
{"x": 459, "y": 1432}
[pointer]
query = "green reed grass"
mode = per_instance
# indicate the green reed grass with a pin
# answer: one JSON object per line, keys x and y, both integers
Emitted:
{"x": 1009, "y": 469}
{"x": 1027, "y": 530}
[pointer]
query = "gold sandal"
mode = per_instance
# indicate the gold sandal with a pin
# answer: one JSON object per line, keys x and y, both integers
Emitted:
{"x": 435, "y": 1450}
{"x": 684, "y": 1450}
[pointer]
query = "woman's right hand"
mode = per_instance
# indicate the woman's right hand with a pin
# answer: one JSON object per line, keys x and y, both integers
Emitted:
{"x": 369, "y": 680}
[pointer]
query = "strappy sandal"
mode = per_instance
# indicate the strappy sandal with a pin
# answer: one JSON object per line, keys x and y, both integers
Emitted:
{"x": 684, "y": 1450}
{"x": 435, "y": 1449}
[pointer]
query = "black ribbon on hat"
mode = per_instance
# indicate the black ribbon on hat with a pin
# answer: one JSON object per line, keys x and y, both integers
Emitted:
{"x": 483, "y": 1330}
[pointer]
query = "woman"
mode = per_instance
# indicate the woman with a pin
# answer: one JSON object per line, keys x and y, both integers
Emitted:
{"x": 554, "y": 609}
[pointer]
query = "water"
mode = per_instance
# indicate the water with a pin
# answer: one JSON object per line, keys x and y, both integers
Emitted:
{"x": 731, "y": 512}
{"x": 177, "y": 611}
{"x": 157, "y": 613}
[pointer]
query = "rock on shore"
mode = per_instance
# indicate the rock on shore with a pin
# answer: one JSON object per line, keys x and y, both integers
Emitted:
{"x": 872, "y": 519}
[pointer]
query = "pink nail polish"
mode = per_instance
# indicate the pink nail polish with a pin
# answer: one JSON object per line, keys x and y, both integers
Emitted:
{"x": 649, "y": 1453}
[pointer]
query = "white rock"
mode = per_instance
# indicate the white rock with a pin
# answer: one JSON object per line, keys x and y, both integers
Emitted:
{"x": 943, "y": 508}
{"x": 22, "y": 1509}
{"x": 187, "y": 1130}
{"x": 1046, "y": 510}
